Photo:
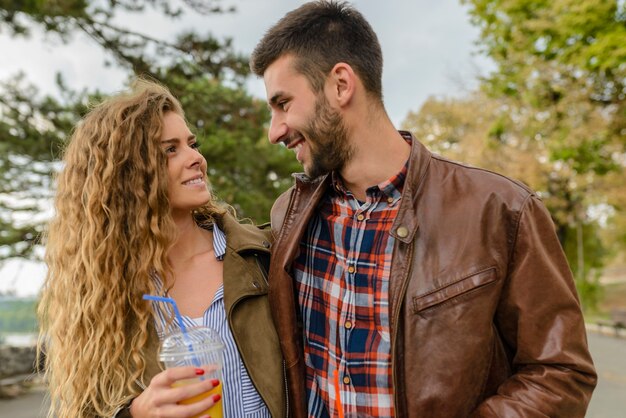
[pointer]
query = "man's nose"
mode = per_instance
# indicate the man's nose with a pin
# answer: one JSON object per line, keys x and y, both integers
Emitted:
{"x": 278, "y": 129}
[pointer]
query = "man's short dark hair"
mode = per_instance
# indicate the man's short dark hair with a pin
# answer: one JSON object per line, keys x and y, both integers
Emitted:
{"x": 320, "y": 34}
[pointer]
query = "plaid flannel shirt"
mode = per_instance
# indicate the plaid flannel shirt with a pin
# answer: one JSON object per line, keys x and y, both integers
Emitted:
{"x": 342, "y": 285}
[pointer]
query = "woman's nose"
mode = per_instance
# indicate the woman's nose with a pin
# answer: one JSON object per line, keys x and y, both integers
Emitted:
{"x": 193, "y": 156}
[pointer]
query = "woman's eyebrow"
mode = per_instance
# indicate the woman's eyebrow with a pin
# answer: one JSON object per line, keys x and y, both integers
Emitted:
{"x": 170, "y": 141}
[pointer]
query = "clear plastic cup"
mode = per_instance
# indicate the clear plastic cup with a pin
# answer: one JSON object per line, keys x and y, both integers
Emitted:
{"x": 197, "y": 347}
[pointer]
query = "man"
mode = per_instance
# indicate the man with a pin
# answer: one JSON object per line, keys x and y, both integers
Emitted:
{"x": 404, "y": 284}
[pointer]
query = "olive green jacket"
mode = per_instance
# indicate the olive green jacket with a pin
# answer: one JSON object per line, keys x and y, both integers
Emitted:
{"x": 248, "y": 313}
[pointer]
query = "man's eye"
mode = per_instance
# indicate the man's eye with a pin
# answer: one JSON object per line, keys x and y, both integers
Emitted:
{"x": 282, "y": 104}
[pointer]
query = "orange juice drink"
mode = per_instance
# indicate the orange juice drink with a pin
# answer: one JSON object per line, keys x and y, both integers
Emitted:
{"x": 215, "y": 411}
{"x": 197, "y": 347}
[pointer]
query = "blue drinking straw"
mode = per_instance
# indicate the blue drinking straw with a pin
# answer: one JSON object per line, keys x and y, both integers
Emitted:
{"x": 179, "y": 318}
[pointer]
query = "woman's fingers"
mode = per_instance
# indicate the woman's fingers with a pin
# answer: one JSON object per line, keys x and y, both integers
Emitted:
{"x": 188, "y": 389}
{"x": 170, "y": 376}
{"x": 180, "y": 383}
{"x": 178, "y": 392}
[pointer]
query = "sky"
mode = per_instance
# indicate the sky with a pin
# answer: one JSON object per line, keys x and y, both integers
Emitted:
{"x": 428, "y": 50}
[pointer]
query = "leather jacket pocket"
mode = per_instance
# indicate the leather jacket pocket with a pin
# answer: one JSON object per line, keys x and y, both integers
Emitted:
{"x": 454, "y": 290}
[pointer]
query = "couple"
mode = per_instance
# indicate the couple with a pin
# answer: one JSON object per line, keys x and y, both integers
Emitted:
{"x": 405, "y": 284}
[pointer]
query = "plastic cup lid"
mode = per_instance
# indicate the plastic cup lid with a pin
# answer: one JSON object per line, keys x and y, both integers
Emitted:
{"x": 198, "y": 339}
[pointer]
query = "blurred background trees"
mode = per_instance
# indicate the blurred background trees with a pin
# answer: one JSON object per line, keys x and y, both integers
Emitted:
{"x": 552, "y": 114}
{"x": 205, "y": 73}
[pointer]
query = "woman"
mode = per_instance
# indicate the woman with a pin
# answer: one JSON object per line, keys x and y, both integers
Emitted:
{"x": 134, "y": 215}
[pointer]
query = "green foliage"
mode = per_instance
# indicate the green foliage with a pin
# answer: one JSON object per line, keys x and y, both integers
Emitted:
{"x": 590, "y": 293}
{"x": 32, "y": 131}
{"x": 17, "y": 315}
{"x": 131, "y": 49}
{"x": 565, "y": 61}
{"x": 583, "y": 37}
{"x": 587, "y": 255}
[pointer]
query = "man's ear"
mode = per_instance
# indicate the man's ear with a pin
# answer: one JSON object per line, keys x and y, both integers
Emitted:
{"x": 342, "y": 83}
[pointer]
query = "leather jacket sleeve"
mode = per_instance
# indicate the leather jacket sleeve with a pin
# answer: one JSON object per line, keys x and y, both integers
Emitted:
{"x": 540, "y": 321}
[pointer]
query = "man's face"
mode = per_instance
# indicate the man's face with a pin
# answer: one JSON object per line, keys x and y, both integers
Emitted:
{"x": 304, "y": 121}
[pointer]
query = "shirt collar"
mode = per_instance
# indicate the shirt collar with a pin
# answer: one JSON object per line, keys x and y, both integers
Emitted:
{"x": 392, "y": 187}
{"x": 219, "y": 242}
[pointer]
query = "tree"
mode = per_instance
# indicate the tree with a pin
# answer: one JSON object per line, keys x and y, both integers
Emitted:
{"x": 564, "y": 63}
{"x": 204, "y": 73}
{"x": 32, "y": 130}
{"x": 132, "y": 49}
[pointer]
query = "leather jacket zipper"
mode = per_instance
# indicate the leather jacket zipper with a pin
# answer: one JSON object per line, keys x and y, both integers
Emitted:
{"x": 396, "y": 319}
{"x": 286, "y": 390}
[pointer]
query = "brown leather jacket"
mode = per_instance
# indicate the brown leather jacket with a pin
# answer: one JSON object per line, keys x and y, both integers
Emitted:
{"x": 485, "y": 319}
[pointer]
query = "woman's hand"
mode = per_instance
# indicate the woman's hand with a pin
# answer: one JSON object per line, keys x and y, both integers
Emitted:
{"x": 160, "y": 399}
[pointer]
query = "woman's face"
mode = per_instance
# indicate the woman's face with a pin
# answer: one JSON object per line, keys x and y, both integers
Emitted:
{"x": 186, "y": 167}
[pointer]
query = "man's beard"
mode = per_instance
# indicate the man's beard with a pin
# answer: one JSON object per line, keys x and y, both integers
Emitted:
{"x": 328, "y": 140}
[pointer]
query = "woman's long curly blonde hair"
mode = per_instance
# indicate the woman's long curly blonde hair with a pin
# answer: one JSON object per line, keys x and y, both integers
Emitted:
{"x": 111, "y": 233}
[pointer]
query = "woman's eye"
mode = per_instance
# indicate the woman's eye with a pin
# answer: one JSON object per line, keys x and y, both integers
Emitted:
{"x": 170, "y": 150}
{"x": 195, "y": 145}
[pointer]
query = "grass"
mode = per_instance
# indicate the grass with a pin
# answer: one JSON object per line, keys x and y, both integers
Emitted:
{"x": 613, "y": 296}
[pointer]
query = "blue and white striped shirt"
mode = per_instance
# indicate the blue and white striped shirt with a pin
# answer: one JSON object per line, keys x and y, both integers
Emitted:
{"x": 240, "y": 398}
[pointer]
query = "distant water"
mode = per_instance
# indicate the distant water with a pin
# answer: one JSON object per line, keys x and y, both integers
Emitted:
{"x": 19, "y": 340}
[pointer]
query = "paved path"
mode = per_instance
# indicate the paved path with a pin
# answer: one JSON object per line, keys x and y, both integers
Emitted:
{"x": 609, "y": 356}
{"x": 30, "y": 405}
{"x": 609, "y": 398}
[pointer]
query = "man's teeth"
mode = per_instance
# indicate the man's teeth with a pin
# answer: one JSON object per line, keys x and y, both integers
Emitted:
{"x": 297, "y": 147}
{"x": 194, "y": 181}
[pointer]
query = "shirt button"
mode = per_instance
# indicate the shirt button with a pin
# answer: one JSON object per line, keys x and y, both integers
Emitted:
{"x": 360, "y": 217}
{"x": 390, "y": 200}
{"x": 348, "y": 324}
{"x": 346, "y": 380}
{"x": 402, "y": 232}
{"x": 351, "y": 269}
